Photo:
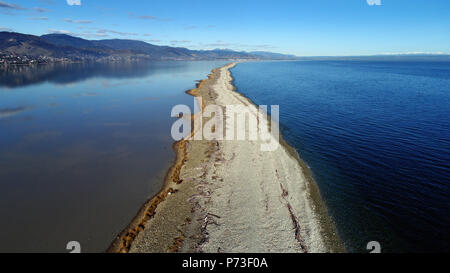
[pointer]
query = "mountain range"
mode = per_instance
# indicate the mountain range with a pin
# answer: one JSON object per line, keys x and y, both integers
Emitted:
{"x": 70, "y": 47}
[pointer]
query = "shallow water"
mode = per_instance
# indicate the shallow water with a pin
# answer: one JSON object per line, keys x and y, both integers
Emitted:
{"x": 377, "y": 138}
{"x": 83, "y": 146}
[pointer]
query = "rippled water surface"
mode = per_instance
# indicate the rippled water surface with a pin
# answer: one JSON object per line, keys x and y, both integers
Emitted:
{"x": 377, "y": 138}
{"x": 82, "y": 147}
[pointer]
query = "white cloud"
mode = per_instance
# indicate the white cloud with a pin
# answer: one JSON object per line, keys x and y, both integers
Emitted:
{"x": 74, "y": 2}
{"x": 43, "y": 18}
{"x": 5, "y": 29}
{"x": 68, "y": 20}
{"x": 5, "y": 5}
{"x": 415, "y": 53}
{"x": 59, "y": 31}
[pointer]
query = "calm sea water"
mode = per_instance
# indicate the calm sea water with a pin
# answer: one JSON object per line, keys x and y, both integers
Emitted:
{"x": 83, "y": 146}
{"x": 377, "y": 138}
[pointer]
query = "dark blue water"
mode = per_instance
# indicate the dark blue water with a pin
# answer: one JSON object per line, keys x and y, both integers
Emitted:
{"x": 83, "y": 146}
{"x": 377, "y": 138}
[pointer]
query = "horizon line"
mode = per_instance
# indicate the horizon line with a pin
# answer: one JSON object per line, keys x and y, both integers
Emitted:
{"x": 298, "y": 56}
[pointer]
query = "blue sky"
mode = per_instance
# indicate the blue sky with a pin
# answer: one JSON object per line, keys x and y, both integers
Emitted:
{"x": 304, "y": 28}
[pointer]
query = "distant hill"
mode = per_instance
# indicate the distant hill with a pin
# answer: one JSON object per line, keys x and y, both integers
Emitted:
{"x": 67, "y": 40}
{"x": 224, "y": 53}
{"x": 162, "y": 52}
{"x": 64, "y": 40}
{"x": 273, "y": 56}
{"x": 66, "y": 46}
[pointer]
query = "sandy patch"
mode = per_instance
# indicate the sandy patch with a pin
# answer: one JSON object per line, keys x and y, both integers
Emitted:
{"x": 229, "y": 196}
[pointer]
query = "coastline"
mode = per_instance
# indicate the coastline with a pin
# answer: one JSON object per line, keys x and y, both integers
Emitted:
{"x": 328, "y": 227}
{"x": 204, "y": 206}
